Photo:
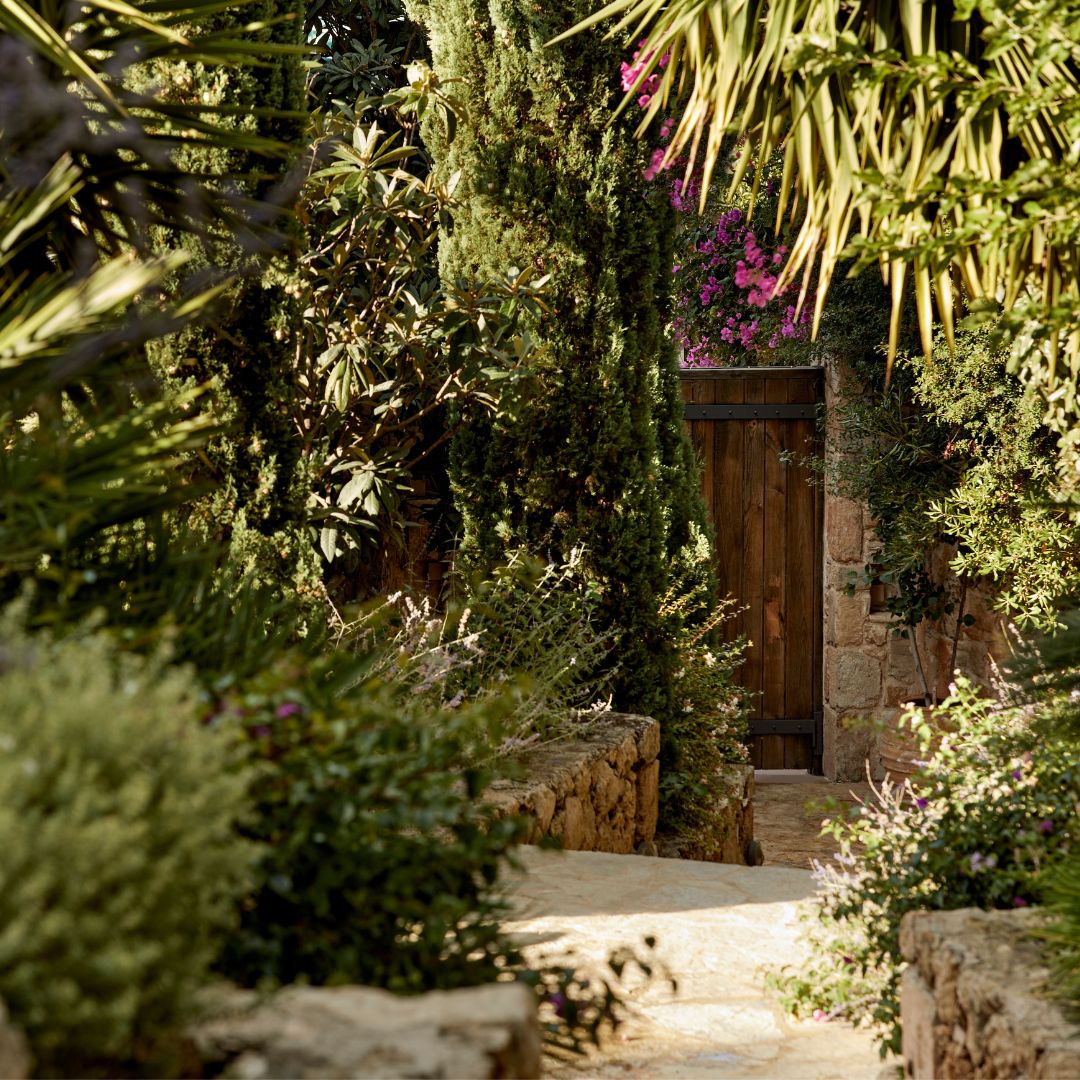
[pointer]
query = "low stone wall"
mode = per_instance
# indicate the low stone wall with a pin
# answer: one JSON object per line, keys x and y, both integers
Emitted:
{"x": 733, "y": 822}
{"x": 597, "y": 793}
{"x": 974, "y": 1002}
{"x": 357, "y": 1031}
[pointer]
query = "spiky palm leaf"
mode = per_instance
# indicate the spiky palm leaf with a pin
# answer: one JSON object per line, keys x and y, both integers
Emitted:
{"x": 89, "y": 448}
{"x": 121, "y": 132}
{"x": 943, "y": 134}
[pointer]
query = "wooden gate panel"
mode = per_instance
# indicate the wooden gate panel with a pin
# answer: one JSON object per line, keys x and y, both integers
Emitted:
{"x": 753, "y": 569}
{"x": 773, "y": 636}
{"x": 803, "y": 570}
{"x": 768, "y": 555}
{"x": 728, "y": 476}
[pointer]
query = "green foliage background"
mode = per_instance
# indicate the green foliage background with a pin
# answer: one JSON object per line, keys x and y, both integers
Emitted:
{"x": 246, "y": 350}
{"x": 598, "y": 457}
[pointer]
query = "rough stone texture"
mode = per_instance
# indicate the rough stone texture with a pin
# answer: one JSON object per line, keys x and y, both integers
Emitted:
{"x": 352, "y": 1031}
{"x": 15, "y": 1059}
{"x": 974, "y": 1001}
{"x": 789, "y": 809}
{"x": 597, "y": 793}
{"x": 868, "y": 671}
{"x": 844, "y": 530}
{"x": 855, "y": 679}
{"x": 733, "y": 798}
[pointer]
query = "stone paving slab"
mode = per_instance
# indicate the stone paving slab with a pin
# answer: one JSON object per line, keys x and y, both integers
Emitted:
{"x": 719, "y": 928}
{"x": 787, "y": 818}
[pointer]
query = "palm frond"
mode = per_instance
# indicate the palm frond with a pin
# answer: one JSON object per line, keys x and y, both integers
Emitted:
{"x": 940, "y": 136}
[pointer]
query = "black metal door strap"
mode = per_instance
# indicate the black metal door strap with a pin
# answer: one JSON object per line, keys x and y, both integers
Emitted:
{"x": 809, "y": 726}
{"x": 759, "y": 411}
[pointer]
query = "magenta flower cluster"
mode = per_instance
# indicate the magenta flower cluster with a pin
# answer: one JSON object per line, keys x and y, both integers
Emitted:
{"x": 631, "y": 72}
{"x": 729, "y": 300}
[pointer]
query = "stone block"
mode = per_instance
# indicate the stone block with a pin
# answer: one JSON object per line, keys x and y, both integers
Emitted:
{"x": 843, "y": 530}
{"x": 990, "y": 1014}
{"x": 647, "y": 802}
{"x": 877, "y": 631}
{"x": 851, "y": 743}
{"x": 918, "y": 1008}
{"x": 648, "y": 742}
{"x": 596, "y": 793}
{"x": 829, "y": 730}
{"x": 845, "y": 622}
{"x": 902, "y": 682}
{"x": 854, "y": 679}
{"x": 607, "y": 788}
{"x": 543, "y": 806}
{"x": 575, "y": 832}
{"x": 622, "y": 758}
{"x": 353, "y": 1031}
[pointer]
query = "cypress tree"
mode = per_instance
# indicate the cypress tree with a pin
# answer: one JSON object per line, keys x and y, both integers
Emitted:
{"x": 598, "y": 457}
{"x": 246, "y": 349}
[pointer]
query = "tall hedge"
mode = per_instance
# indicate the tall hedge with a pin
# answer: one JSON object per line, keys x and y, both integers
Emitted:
{"x": 247, "y": 347}
{"x": 599, "y": 457}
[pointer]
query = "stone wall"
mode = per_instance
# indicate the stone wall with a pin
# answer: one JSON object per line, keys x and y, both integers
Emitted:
{"x": 597, "y": 793}
{"x": 358, "y": 1031}
{"x": 732, "y": 827}
{"x": 869, "y": 670}
{"x": 974, "y": 1001}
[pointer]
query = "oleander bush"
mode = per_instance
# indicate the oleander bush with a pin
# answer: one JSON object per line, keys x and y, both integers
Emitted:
{"x": 123, "y": 867}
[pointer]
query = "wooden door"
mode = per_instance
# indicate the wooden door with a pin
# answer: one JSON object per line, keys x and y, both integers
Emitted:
{"x": 767, "y": 518}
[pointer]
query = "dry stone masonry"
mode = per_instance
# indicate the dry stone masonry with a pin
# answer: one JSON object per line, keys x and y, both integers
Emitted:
{"x": 732, "y": 833}
{"x": 597, "y": 793}
{"x": 869, "y": 670}
{"x": 974, "y": 1001}
{"x": 334, "y": 1033}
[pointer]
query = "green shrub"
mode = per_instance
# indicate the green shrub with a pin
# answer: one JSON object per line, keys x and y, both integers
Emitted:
{"x": 527, "y": 635}
{"x": 381, "y": 865}
{"x": 707, "y": 728}
{"x": 997, "y": 805}
{"x": 122, "y": 866}
{"x": 392, "y": 359}
{"x": 1063, "y": 898}
{"x": 598, "y": 456}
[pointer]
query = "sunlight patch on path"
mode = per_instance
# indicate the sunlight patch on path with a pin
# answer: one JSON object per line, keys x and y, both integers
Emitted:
{"x": 719, "y": 929}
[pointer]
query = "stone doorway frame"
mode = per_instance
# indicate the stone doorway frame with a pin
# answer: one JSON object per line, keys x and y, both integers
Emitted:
{"x": 869, "y": 670}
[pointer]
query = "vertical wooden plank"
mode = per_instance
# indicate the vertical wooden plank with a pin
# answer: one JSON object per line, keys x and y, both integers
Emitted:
{"x": 704, "y": 393}
{"x": 753, "y": 498}
{"x": 726, "y": 499}
{"x": 800, "y": 571}
{"x": 772, "y": 577}
{"x": 819, "y": 569}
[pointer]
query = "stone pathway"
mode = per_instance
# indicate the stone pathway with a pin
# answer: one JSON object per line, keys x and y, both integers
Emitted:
{"x": 719, "y": 930}
{"x": 787, "y": 818}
